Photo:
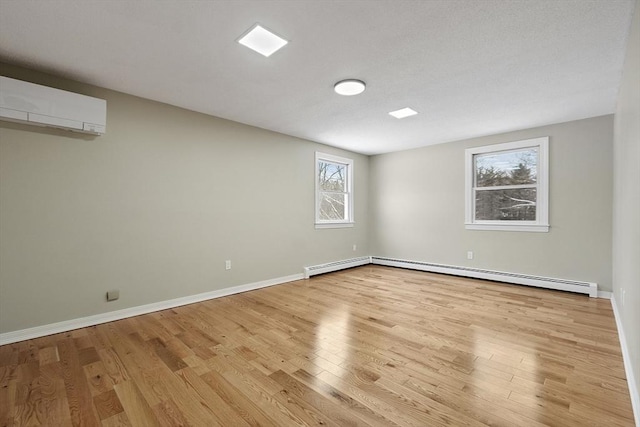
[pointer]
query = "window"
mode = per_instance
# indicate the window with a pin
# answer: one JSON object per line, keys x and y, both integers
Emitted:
{"x": 507, "y": 186}
{"x": 334, "y": 191}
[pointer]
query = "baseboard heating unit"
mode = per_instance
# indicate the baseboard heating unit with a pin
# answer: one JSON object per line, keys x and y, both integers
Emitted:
{"x": 335, "y": 266}
{"x": 588, "y": 288}
{"x": 498, "y": 276}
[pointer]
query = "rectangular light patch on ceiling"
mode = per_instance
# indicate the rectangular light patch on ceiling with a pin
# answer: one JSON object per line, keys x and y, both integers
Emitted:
{"x": 262, "y": 41}
{"x": 402, "y": 113}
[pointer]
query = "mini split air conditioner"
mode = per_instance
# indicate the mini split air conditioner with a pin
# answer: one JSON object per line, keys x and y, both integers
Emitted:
{"x": 38, "y": 105}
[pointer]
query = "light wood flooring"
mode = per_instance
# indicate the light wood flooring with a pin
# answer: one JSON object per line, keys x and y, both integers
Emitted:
{"x": 372, "y": 346}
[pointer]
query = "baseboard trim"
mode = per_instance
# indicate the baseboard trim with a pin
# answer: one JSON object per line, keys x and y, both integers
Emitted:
{"x": 626, "y": 358}
{"x": 83, "y": 322}
{"x": 499, "y": 276}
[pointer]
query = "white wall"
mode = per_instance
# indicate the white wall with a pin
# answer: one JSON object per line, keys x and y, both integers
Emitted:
{"x": 153, "y": 208}
{"x": 626, "y": 207}
{"x": 417, "y": 207}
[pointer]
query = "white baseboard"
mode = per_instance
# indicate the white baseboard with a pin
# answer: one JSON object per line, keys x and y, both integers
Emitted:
{"x": 626, "y": 357}
{"x": 83, "y": 322}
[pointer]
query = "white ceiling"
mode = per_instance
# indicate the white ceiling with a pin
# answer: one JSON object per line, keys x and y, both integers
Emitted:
{"x": 470, "y": 67}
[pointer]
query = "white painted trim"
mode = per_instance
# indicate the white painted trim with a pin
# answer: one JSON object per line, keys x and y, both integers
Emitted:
{"x": 536, "y": 228}
{"x": 626, "y": 358}
{"x": 349, "y": 191}
{"x": 335, "y": 225}
{"x": 83, "y": 322}
{"x": 589, "y": 288}
{"x": 542, "y": 211}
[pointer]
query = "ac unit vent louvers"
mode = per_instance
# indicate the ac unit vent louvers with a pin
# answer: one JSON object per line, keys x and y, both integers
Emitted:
{"x": 29, "y": 103}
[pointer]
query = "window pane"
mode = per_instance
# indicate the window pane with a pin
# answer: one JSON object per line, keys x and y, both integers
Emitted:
{"x": 332, "y": 206}
{"x": 506, "y": 205}
{"x": 332, "y": 176}
{"x": 506, "y": 168}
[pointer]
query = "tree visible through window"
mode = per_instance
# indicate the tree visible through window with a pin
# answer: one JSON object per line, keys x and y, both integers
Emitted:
{"x": 333, "y": 190}
{"x": 507, "y": 186}
{"x": 332, "y": 183}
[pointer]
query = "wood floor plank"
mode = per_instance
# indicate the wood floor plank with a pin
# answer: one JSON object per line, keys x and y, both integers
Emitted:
{"x": 169, "y": 414}
{"x": 241, "y": 403}
{"x": 114, "y": 366}
{"x": 293, "y": 387}
{"x": 376, "y": 399}
{"x": 83, "y": 412}
{"x": 107, "y": 404}
{"x": 138, "y": 411}
{"x": 98, "y": 379}
{"x": 53, "y": 405}
{"x": 369, "y": 346}
{"x": 343, "y": 400}
{"x": 119, "y": 420}
{"x": 223, "y": 412}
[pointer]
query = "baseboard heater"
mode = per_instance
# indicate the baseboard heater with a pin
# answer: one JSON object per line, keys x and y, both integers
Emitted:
{"x": 498, "y": 276}
{"x": 335, "y": 266}
{"x": 588, "y": 288}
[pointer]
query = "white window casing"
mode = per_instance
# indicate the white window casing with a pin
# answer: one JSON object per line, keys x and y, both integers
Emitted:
{"x": 341, "y": 199}
{"x": 541, "y": 187}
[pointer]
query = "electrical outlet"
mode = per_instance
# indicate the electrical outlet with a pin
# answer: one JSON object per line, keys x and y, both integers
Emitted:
{"x": 355, "y": 247}
{"x": 113, "y": 295}
{"x": 469, "y": 254}
{"x": 227, "y": 265}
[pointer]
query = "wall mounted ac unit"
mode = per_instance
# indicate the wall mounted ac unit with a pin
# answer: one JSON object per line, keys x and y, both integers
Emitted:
{"x": 39, "y": 105}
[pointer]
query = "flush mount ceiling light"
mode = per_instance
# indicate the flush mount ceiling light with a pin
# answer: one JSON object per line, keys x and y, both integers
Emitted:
{"x": 404, "y": 112}
{"x": 262, "y": 40}
{"x": 349, "y": 87}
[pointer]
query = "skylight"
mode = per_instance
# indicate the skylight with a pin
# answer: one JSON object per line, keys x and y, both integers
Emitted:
{"x": 262, "y": 41}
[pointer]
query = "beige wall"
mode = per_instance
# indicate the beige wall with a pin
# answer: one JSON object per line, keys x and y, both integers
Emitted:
{"x": 417, "y": 206}
{"x": 153, "y": 208}
{"x": 626, "y": 206}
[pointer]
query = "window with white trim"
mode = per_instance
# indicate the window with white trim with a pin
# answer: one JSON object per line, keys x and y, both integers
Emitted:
{"x": 507, "y": 186}
{"x": 334, "y": 191}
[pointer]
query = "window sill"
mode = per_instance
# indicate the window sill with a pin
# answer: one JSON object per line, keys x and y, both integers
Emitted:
{"x": 334, "y": 225}
{"x": 535, "y": 228}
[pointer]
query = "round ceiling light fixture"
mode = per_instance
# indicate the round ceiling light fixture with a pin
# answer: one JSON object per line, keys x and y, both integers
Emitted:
{"x": 349, "y": 87}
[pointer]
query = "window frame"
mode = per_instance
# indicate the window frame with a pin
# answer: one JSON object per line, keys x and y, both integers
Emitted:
{"x": 541, "y": 224}
{"x": 348, "y": 163}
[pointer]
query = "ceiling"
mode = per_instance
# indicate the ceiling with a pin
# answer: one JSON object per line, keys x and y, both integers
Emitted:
{"x": 469, "y": 67}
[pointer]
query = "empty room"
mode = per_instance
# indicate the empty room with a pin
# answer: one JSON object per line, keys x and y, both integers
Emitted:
{"x": 320, "y": 212}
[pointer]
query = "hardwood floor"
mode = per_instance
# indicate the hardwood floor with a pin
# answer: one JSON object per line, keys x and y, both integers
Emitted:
{"x": 368, "y": 346}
